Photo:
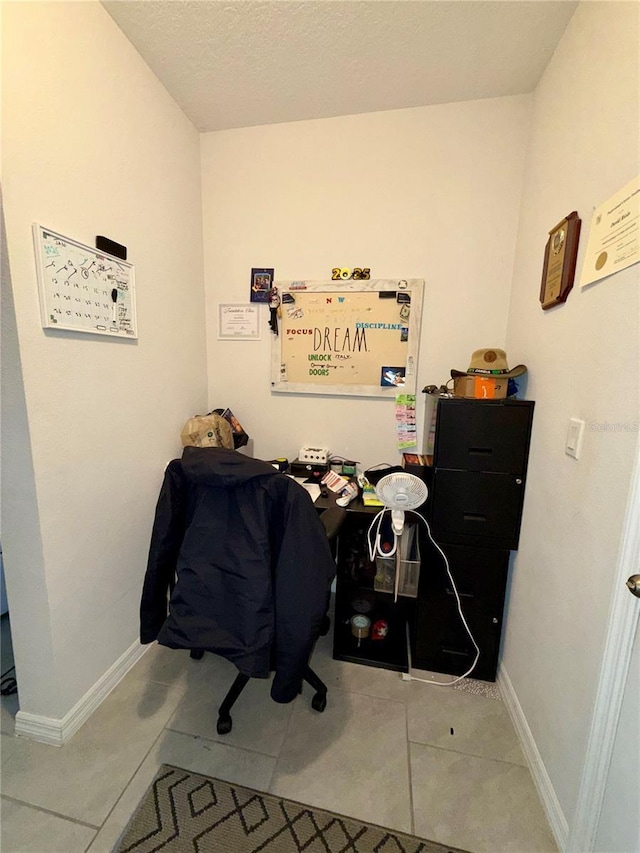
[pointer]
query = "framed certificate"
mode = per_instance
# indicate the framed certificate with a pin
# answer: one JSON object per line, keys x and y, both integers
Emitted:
{"x": 613, "y": 243}
{"x": 560, "y": 256}
{"x": 238, "y": 323}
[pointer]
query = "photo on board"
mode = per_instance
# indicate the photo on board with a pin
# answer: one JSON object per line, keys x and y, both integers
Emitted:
{"x": 392, "y": 377}
{"x": 261, "y": 284}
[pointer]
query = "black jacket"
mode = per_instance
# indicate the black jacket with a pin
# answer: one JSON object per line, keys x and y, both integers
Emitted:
{"x": 252, "y": 561}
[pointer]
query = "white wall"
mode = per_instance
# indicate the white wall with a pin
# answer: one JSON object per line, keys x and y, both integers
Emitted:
{"x": 583, "y": 362}
{"x": 92, "y": 144}
{"x": 428, "y": 193}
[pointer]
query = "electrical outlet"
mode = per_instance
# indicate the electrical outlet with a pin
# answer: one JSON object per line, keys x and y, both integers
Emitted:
{"x": 575, "y": 433}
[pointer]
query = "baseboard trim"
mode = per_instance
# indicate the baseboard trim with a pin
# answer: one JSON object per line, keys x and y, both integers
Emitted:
{"x": 57, "y": 732}
{"x": 541, "y": 779}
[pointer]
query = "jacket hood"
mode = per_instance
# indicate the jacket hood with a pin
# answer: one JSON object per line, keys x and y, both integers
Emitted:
{"x": 218, "y": 466}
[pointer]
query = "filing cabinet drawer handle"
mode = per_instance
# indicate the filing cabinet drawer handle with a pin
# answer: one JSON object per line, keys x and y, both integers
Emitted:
{"x": 459, "y": 652}
{"x": 474, "y": 516}
{"x": 449, "y": 591}
{"x": 480, "y": 451}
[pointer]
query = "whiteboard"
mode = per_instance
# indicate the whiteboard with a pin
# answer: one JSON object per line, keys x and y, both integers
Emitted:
{"x": 356, "y": 338}
{"x": 83, "y": 289}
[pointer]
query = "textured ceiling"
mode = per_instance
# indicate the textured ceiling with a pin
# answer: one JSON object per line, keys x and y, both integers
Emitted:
{"x": 236, "y": 63}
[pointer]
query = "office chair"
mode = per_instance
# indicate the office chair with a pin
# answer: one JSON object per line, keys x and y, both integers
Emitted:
{"x": 248, "y": 564}
{"x": 331, "y": 519}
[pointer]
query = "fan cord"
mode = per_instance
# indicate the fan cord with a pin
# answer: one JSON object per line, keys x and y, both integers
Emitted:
{"x": 374, "y": 550}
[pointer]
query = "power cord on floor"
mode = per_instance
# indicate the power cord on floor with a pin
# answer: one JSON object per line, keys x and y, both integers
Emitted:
{"x": 8, "y": 683}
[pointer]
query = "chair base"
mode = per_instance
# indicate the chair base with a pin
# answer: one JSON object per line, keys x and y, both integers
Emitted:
{"x": 225, "y": 723}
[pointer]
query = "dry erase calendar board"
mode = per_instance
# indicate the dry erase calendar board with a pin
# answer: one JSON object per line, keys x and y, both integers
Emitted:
{"x": 357, "y": 338}
{"x": 82, "y": 289}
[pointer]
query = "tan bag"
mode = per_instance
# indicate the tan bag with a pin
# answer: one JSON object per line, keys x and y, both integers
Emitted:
{"x": 207, "y": 431}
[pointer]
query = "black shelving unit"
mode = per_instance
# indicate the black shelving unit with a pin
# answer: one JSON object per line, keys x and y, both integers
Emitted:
{"x": 355, "y": 594}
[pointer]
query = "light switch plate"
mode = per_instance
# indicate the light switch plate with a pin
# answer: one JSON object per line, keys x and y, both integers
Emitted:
{"x": 575, "y": 433}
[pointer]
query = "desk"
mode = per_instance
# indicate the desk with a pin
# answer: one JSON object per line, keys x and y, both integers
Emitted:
{"x": 355, "y": 593}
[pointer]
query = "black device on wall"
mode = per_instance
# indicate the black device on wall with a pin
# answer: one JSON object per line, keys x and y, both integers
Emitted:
{"x": 111, "y": 247}
{"x": 475, "y": 508}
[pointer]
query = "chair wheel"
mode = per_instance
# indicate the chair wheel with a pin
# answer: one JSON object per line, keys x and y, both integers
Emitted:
{"x": 319, "y": 702}
{"x": 196, "y": 654}
{"x": 224, "y": 725}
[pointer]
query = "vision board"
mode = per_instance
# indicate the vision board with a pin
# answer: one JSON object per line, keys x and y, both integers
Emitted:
{"x": 82, "y": 289}
{"x": 356, "y": 338}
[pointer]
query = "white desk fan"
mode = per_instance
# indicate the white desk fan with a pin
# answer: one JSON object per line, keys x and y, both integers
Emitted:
{"x": 399, "y": 492}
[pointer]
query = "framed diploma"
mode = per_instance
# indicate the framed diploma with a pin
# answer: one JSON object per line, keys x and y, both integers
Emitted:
{"x": 560, "y": 256}
{"x": 613, "y": 243}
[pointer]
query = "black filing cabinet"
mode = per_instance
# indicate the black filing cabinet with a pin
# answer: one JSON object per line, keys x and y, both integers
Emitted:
{"x": 475, "y": 508}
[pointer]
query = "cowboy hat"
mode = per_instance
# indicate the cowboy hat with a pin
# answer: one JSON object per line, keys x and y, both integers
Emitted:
{"x": 490, "y": 362}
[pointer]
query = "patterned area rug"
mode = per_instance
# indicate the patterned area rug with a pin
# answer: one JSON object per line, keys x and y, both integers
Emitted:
{"x": 184, "y": 811}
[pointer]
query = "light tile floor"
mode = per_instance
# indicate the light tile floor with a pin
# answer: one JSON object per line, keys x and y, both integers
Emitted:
{"x": 442, "y": 763}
